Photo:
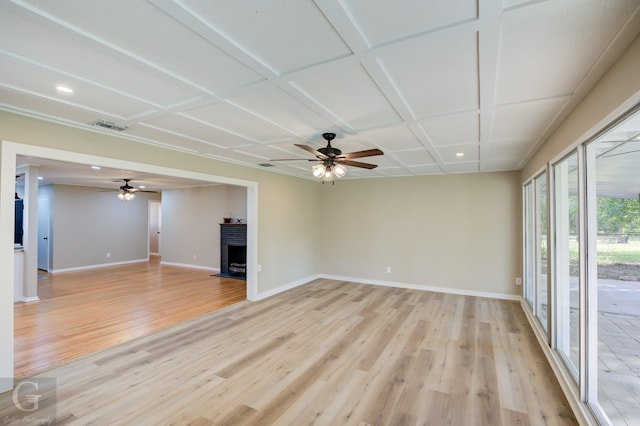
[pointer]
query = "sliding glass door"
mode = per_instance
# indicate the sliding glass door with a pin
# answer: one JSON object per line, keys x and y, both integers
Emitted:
{"x": 541, "y": 310}
{"x": 567, "y": 261}
{"x": 582, "y": 268}
{"x": 536, "y": 248}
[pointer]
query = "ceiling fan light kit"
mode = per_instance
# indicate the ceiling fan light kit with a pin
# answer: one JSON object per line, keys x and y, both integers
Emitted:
{"x": 332, "y": 162}
{"x": 126, "y": 195}
{"x": 127, "y": 192}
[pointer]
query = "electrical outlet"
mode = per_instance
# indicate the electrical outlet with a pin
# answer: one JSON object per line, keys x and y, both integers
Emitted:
{"x": 388, "y": 269}
{"x": 194, "y": 257}
{"x": 518, "y": 281}
{"x": 108, "y": 255}
{"x": 259, "y": 268}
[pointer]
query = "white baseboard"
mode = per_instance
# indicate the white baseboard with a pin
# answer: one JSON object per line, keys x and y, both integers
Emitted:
{"x": 101, "y": 265}
{"x": 187, "y": 265}
{"x": 306, "y": 280}
{"x": 27, "y": 299}
{"x": 285, "y": 287}
{"x": 462, "y": 292}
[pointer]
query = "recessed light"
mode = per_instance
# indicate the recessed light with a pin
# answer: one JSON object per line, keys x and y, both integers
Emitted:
{"x": 64, "y": 89}
{"x": 40, "y": 178}
{"x": 459, "y": 154}
{"x": 141, "y": 186}
{"x": 96, "y": 167}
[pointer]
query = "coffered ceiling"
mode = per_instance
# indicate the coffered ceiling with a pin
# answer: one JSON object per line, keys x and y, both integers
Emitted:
{"x": 440, "y": 86}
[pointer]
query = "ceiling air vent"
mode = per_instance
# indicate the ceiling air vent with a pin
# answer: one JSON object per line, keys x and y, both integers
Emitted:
{"x": 109, "y": 125}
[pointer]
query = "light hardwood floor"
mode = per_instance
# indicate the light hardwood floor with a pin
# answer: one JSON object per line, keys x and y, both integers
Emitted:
{"x": 326, "y": 353}
{"x": 84, "y": 311}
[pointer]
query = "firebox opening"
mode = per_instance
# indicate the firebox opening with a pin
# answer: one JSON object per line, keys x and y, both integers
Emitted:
{"x": 237, "y": 260}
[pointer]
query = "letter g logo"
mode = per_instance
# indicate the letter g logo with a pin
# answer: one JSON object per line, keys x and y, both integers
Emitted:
{"x": 29, "y": 398}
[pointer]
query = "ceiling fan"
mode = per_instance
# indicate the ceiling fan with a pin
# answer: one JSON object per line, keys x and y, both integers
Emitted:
{"x": 331, "y": 160}
{"x": 126, "y": 191}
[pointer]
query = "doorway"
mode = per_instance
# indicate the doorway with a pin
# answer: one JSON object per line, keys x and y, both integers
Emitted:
{"x": 44, "y": 241}
{"x": 8, "y": 156}
{"x": 155, "y": 225}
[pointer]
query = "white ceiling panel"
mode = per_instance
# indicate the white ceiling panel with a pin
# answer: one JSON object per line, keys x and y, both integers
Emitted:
{"x": 453, "y": 129}
{"x": 268, "y": 152}
{"x": 414, "y": 157}
{"x": 397, "y": 138}
{"x": 161, "y": 137}
{"x": 438, "y": 75}
{"x": 14, "y": 100}
{"x": 238, "y": 121}
{"x": 185, "y": 126}
{"x": 282, "y": 35}
{"x": 463, "y": 167}
{"x": 42, "y": 82}
{"x": 63, "y": 52}
{"x": 281, "y": 108}
{"x": 430, "y": 169}
{"x": 509, "y": 149}
{"x": 162, "y": 41}
{"x": 547, "y": 49}
{"x": 382, "y": 21}
{"x": 242, "y": 81}
{"x": 347, "y": 91}
{"x": 449, "y": 153}
{"x": 525, "y": 120}
{"x": 503, "y": 164}
{"x": 394, "y": 171}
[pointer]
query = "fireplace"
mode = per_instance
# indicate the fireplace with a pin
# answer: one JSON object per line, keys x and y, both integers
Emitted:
{"x": 233, "y": 249}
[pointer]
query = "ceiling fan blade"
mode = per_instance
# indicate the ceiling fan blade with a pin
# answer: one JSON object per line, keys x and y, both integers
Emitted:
{"x": 365, "y": 153}
{"x": 311, "y": 150}
{"x": 295, "y": 159}
{"x": 357, "y": 164}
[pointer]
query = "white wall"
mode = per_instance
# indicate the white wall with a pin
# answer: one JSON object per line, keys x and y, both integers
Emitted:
{"x": 455, "y": 232}
{"x": 190, "y": 222}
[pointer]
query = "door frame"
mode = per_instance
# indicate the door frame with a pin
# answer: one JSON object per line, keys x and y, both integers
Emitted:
{"x": 8, "y": 153}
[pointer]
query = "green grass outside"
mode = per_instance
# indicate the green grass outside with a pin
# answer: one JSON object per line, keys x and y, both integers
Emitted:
{"x": 609, "y": 251}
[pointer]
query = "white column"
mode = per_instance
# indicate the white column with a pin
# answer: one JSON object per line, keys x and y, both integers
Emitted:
{"x": 30, "y": 239}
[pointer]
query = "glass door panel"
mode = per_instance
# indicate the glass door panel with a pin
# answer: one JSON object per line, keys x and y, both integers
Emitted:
{"x": 567, "y": 267}
{"x": 541, "y": 224}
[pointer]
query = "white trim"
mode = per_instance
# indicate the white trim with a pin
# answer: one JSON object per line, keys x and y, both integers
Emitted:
{"x": 96, "y": 266}
{"x": 282, "y": 288}
{"x": 187, "y": 265}
{"x": 8, "y": 153}
{"x": 580, "y": 410}
{"x": 395, "y": 284}
{"x": 27, "y": 299}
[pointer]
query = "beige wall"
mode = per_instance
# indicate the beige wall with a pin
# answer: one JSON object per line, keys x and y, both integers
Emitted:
{"x": 287, "y": 207}
{"x": 191, "y": 220}
{"x": 458, "y": 232}
{"x": 86, "y": 224}
{"x": 617, "y": 91}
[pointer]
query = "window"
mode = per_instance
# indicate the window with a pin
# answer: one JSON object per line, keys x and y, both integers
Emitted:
{"x": 541, "y": 250}
{"x": 535, "y": 247}
{"x": 567, "y": 261}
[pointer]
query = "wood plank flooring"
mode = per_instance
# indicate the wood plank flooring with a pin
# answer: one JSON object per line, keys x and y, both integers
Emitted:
{"x": 326, "y": 353}
{"x": 84, "y": 311}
